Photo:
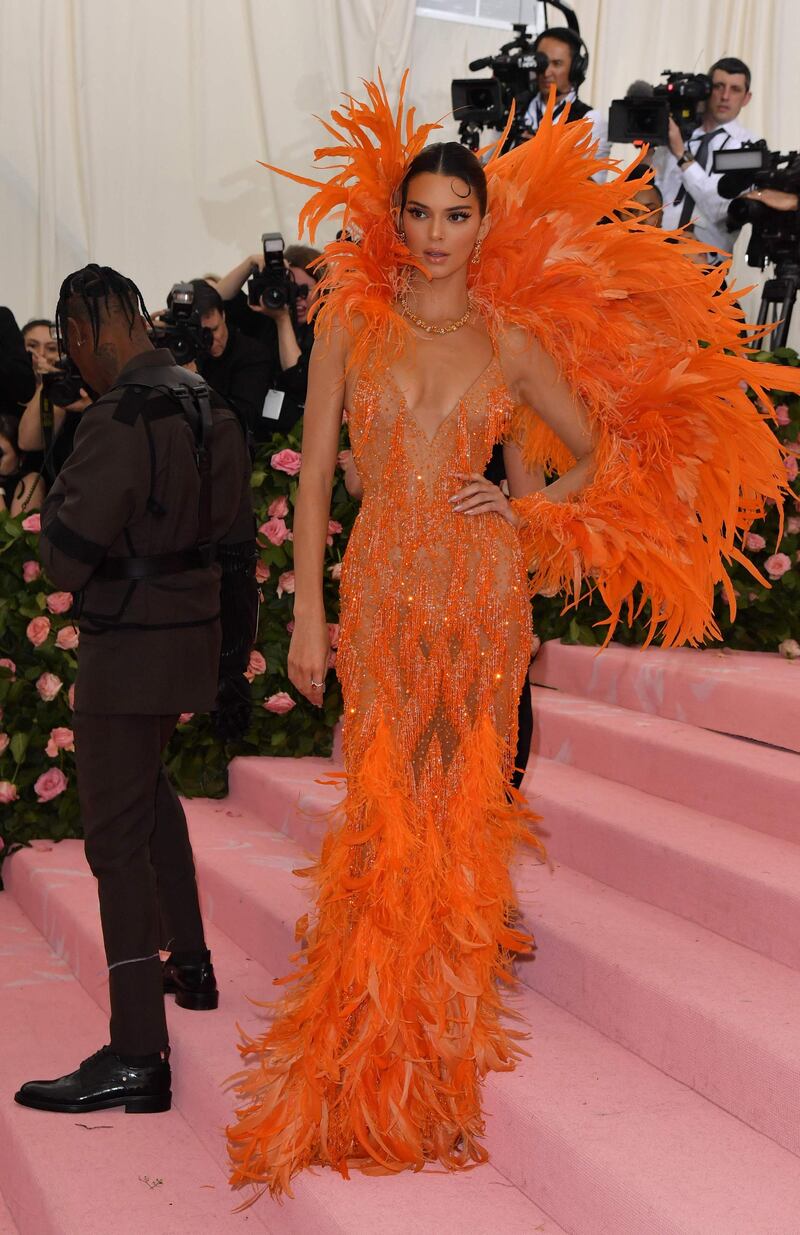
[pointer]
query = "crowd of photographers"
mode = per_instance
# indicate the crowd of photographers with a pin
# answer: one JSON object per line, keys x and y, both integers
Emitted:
{"x": 711, "y": 175}
{"x": 246, "y": 333}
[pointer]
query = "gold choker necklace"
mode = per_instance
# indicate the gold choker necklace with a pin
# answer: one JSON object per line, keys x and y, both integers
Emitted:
{"x": 432, "y": 327}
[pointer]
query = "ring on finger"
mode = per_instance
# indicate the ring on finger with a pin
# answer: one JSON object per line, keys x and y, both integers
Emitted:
{"x": 317, "y": 685}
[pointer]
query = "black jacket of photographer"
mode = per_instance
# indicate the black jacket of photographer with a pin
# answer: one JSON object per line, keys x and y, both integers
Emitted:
{"x": 132, "y": 489}
{"x": 292, "y": 382}
{"x": 17, "y": 382}
{"x": 242, "y": 375}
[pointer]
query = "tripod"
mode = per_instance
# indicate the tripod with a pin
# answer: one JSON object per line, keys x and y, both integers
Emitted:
{"x": 777, "y": 302}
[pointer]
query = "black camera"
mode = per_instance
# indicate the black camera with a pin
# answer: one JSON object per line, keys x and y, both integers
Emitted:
{"x": 775, "y": 236}
{"x": 180, "y": 328}
{"x": 64, "y": 385}
{"x": 273, "y": 287}
{"x": 485, "y": 102}
{"x": 644, "y": 116}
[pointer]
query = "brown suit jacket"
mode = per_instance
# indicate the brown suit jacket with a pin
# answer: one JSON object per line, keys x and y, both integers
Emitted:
{"x": 148, "y": 646}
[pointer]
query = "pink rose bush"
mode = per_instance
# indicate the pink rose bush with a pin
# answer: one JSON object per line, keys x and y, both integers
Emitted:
{"x": 777, "y": 565}
{"x": 262, "y": 572}
{"x": 286, "y": 461}
{"x": 8, "y": 793}
{"x": 790, "y": 648}
{"x": 280, "y": 703}
{"x": 274, "y": 530}
{"x": 286, "y": 582}
{"x": 38, "y": 630}
{"x": 278, "y": 509}
{"x": 50, "y": 785}
{"x": 5, "y": 663}
{"x": 791, "y": 467}
{"x": 257, "y": 665}
{"x": 755, "y": 542}
{"x": 31, "y": 571}
{"x": 33, "y": 523}
{"x": 68, "y": 638}
{"x": 4, "y": 741}
{"x": 793, "y": 525}
{"x": 60, "y": 739}
{"x": 782, "y": 414}
{"x": 59, "y": 602}
{"x": 48, "y": 686}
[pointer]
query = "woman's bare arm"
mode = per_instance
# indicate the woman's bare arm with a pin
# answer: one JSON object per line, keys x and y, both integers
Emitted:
{"x": 308, "y": 653}
{"x": 533, "y": 379}
{"x": 521, "y": 480}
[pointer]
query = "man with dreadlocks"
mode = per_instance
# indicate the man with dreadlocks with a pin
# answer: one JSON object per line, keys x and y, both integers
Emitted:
{"x": 150, "y": 523}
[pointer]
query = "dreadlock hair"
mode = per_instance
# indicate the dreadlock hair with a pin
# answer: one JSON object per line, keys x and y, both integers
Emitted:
{"x": 87, "y": 290}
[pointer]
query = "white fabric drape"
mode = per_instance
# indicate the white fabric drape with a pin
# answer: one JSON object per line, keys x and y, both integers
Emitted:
{"x": 130, "y": 129}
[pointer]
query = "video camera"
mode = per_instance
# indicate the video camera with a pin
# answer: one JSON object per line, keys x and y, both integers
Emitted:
{"x": 485, "y": 102}
{"x": 273, "y": 287}
{"x": 179, "y": 328}
{"x": 644, "y": 116}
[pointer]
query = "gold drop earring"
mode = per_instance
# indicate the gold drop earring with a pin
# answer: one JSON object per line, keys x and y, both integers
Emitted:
{"x": 476, "y": 253}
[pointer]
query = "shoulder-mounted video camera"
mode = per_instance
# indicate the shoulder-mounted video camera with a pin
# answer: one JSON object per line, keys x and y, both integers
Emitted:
{"x": 645, "y": 117}
{"x": 776, "y": 233}
{"x": 180, "y": 328}
{"x": 484, "y": 102}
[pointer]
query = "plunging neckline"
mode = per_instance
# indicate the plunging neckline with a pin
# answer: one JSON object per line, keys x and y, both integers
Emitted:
{"x": 410, "y": 415}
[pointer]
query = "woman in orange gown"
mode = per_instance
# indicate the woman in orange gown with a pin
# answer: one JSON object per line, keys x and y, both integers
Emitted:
{"x": 450, "y": 315}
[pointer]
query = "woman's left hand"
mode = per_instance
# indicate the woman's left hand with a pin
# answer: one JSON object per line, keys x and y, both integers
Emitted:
{"x": 479, "y": 497}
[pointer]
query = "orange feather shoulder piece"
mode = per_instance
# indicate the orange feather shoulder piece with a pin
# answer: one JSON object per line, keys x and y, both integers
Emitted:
{"x": 652, "y": 343}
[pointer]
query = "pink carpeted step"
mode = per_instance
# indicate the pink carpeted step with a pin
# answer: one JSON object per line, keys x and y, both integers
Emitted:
{"x": 599, "y": 1137}
{"x": 732, "y": 778}
{"x": 204, "y": 1056}
{"x": 102, "y": 1172}
{"x": 742, "y": 884}
{"x": 707, "y": 1011}
{"x": 752, "y": 694}
{"x": 7, "y": 1224}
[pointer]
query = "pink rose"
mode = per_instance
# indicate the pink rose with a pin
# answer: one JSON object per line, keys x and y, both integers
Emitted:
{"x": 4, "y": 741}
{"x": 290, "y": 626}
{"x": 286, "y": 461}
{"x": 777, "y": 565}
{"x": 755, "y": 542}
{"x": 256, "y": 666}
{"x": 279, "y": 508}
{"x": 336, "y": 570}
{"x": 31, "y": 571}
{"x": 262, "y": 572}
{"x": 279, "y": 703}
{"x": 286, "y": 582}
{"x": 791, "y": 467}
{"x": 343, "y": 458}
{"x": 60, "y": 739}
{"x": 33, "y": 523}
{"x": 793, "y": 525}
{"x": 782, "y": 414}
{"x": 50, "y": 784}
{"x": 275, "y": 531}
{"x": 790, "y": 648}
{"x": 333, "y": 634}
{"x": 5, "y": 663}
{"x": 331, "y": 660}
{"x": 67, "y": 638}
{"x": 48, "y": 686}
{"x": 334, "y": 527}
{"x": 59, "y": 602}
{"x": 71, "y": 696}
{"x": 37, "y": 630}
{"x": 185, "y": 717}
{"x": 8, "y": 792}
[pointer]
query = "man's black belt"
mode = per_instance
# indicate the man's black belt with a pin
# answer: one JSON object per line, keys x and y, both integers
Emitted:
{"x": 119, "y": 568}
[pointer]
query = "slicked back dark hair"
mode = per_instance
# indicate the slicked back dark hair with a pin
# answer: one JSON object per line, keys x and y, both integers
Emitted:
{"x": 448, "y": 159}
{"x": 34, "y": 322}
{"x": 730, "y": 64}
{"x": 96, "y": 288}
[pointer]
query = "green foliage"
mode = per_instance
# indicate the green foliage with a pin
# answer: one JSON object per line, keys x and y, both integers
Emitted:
{"x": 197, "y": 761}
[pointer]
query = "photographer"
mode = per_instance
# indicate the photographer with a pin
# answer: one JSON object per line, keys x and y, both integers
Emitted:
{"x": 684, "y": 170}
{"x": 21, "y": 486}
{"x": 50, "y": 432}
{"x": 17, "y": 382}
{"x": 567, "y": 62}
{"x": 285, "y": 332}
{"x": 235, "y": 366}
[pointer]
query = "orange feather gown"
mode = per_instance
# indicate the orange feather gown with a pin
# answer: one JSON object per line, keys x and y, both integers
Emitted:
{"x": 393, "y": 1012}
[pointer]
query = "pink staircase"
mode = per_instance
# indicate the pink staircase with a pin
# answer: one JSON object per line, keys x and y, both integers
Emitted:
{"x": 662, "y": 1091}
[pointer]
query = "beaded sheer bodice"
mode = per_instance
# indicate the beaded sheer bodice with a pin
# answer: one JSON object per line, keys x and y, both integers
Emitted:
{"x": 436, "y": 625}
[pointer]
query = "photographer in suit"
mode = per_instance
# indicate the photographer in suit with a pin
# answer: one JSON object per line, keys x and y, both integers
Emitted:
{"x": 684, "y": 169}
{"x": 150, "y": 524}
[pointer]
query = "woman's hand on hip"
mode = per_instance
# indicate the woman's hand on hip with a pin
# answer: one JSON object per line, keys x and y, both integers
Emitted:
{"x": 480, "y": 497}
{"x": 308, "y": 658}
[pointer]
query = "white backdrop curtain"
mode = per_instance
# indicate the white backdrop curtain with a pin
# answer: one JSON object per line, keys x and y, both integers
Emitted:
{"x": 130, "y": 129}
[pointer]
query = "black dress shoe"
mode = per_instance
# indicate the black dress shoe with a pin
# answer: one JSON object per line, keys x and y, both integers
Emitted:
{"x": 193, "y": 985}
{"x": 103, "y": 1081}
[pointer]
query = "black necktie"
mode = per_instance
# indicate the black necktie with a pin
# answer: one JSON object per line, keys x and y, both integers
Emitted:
{"x": 701, "y": 158}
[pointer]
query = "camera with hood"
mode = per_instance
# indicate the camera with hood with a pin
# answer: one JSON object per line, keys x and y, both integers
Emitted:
{"x": 180, "y": 328}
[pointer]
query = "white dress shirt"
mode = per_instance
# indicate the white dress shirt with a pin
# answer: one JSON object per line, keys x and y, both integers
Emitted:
{"x": 599, "y": 123}
{"x": 709, "y": 210}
